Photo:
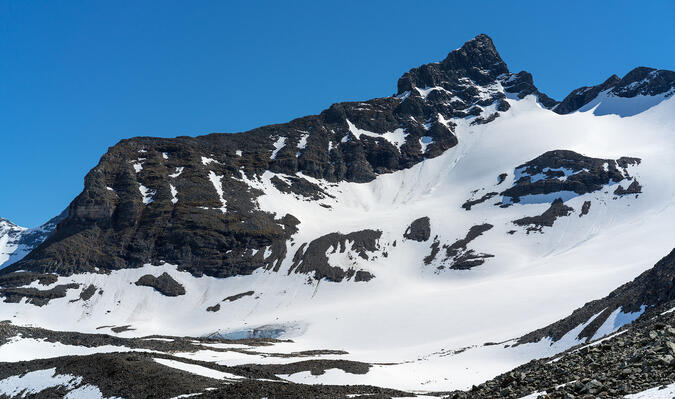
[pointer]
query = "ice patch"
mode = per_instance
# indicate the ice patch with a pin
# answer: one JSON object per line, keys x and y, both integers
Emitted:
{"x": 24, "y": 349}
{"x": 195, "y": 369}
{"x": 397, "y": 137}
{"x": 275, "y": 331}
{"x": 37, "y": 381}
{"x": 427, "y": 90}
{"x": 174, "y": 192}
{"x": 655, "y": 393}
{"x": 146, "y": 193}
{"x": 607, "y": 103}
{"x": 302, "y": 144}
{"x": 178, "y": 171}
{"x": 86, "y": 392}
{"x": 278, "y": 145}
{"x": 616, "y": 320}
{"x": 303, "y": 141}
{"x": 424, "y": 142}
{"x": 217, "y": 182}
{"x": 206, "y": 161}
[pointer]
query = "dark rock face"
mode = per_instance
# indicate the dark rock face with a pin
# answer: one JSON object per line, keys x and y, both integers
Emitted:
{"x": 633, "y": 188}
{"x": 312, "y": 258}
{"x": 363, "y": 276}
{"x": 36, "y": 296}
{"x": 583, "y": 95}
{"x": 639, "y": 81}
{"x": 469, "y": 203}
{"x": 564, "y": 170}
{"x": 457, "y": 254}
{"x": 501, "y": 178}
{"x": 164, "y": 284}
{"x": 477, "y": 60}
{"x": 88, "y": 292}
{"x": 233, "y": 298}
{"x": 457, "y": 85}
{"x": 536, "y": 223}
{"x": 17, "y": 279}
{"x": 585, "y": 208}
{"x": 651, "y": 289}
{"x": 419, "y": 230}
{"x": 316, "y": 368}
{"x": 435, "y": 249}
{"x": 299, "y": 186}
{"x": 522, "y": 85}
{"x": 213, "y": 308}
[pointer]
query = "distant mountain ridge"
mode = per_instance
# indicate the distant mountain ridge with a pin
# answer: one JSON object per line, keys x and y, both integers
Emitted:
{"x": 16, "y": 241}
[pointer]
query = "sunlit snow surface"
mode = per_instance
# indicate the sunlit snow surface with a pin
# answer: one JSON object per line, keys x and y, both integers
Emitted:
{"x": 34, "y": 382}
{"x": 196, "y": 369}
{"x": 655, "y": 393}
{"x": 411, "y": 315}
{"x": 607, "y": 103}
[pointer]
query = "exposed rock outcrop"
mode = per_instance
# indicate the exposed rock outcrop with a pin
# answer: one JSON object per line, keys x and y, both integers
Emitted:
{"x": 536, "y": 223}
{"x": 311, "y": 258}
{"x": 164, "y": 284}
{"x": 419, "y": 230}
{"x": 566, "y": 171}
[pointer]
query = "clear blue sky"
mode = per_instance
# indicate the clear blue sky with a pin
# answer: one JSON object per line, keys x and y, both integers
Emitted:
{"x": 78, "y": 76}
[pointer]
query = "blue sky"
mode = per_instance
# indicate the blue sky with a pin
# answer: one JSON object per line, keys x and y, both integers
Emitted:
{"x": 78, "y": 76}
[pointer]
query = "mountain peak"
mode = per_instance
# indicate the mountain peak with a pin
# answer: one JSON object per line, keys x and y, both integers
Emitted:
{"x": 479, "y": 52}
{"x": 477, "y": 60}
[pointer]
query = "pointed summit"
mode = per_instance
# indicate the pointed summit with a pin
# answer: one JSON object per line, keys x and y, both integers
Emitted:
{"x": 479, "y": 52}
{"x": 477, "y": 60}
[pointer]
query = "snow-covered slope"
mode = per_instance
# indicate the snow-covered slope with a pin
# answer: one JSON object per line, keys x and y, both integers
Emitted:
{"x": 528, "y": 216}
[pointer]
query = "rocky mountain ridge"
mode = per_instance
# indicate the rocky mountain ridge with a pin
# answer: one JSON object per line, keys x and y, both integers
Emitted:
{"x": 187, "y": 201}
{"x": 163, "y": 200}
